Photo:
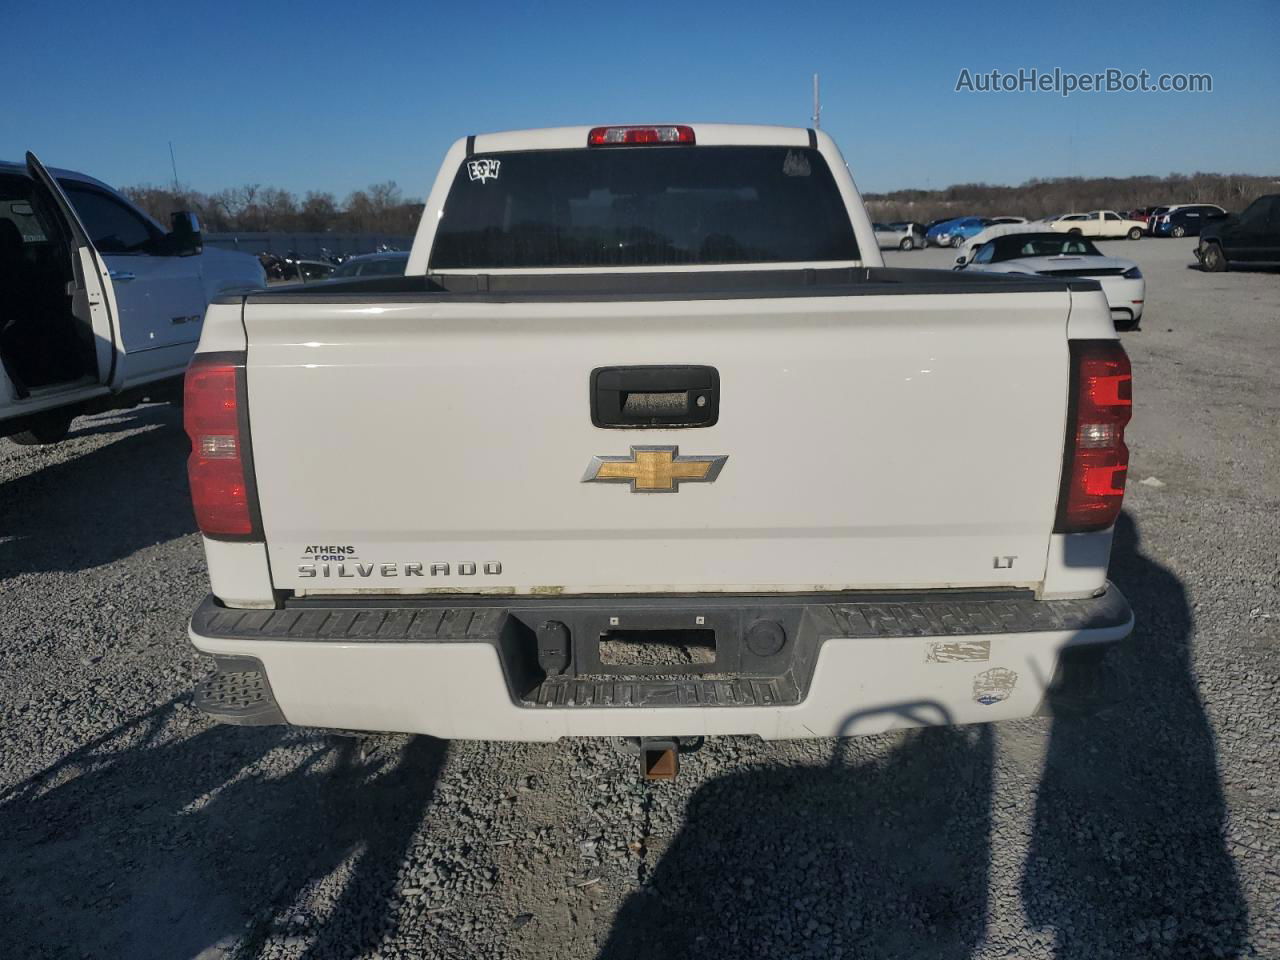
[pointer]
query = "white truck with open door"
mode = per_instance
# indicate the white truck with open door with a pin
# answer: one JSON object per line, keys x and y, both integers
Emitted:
{"x": 648, "y": 442}
{"x": 99, "y": 307}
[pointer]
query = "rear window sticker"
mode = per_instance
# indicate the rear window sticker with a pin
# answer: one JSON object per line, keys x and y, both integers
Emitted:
{"x": 796, "y": 164}
{"x": 483, "y": 170}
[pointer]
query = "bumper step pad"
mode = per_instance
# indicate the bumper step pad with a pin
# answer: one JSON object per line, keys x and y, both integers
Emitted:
{"x": 238, "y": 693}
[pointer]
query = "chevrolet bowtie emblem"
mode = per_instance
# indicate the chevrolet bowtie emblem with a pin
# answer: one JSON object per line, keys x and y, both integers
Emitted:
{"x": 654, "y": 469}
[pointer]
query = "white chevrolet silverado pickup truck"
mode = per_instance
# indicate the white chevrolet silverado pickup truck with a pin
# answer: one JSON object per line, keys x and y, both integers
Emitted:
{"x": 648, "y": 443}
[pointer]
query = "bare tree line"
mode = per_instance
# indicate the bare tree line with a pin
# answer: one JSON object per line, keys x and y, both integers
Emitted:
{"x": 1041, "y": 198}
{"x": 379, "y": 208}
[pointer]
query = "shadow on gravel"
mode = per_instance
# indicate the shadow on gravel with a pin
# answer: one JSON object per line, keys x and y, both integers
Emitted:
{"x": 150, "y": 843}
{"x": 1238, "y": 266}
{"x": 1127, "y": 856}
{"x": 121, "y": 420}
{"x": 877, "y": 859}
{"x": 103, "y": 505}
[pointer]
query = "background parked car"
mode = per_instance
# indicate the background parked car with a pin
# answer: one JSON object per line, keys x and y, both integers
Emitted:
{"x": 1185, "y": 220}
{"x": 929, "y": 227}
{"x": 1157, "y": 212}
{"x": 953, "y": 233}
{"x": 308, "y": 270}
{"x": 898, "y": 236}
{"x": 1000, "y": 230}
{"x": 1249, "y": 237}
{"x": 1099, "y": 223}
{"x": 1056, "y": 255}
{"x": 917, "y": 232}
{"x": 391, "y": 263}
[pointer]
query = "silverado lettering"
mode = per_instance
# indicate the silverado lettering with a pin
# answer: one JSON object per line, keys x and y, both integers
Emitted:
{"x": 468, "y": 568}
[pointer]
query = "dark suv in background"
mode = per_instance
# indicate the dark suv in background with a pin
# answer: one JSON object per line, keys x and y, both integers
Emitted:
{"x": 1184, "y": 221}
{"x": 1249, "y": 237}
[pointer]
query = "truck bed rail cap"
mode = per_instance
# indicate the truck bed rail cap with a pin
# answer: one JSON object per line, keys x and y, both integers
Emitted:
{"x": 659, "y": 287}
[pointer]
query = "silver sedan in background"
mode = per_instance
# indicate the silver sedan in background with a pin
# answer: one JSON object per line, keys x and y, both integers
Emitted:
{"x": 902, "y": 235}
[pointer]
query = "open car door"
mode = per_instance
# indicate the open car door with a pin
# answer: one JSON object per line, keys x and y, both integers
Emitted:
{"x": 94, "y": 295}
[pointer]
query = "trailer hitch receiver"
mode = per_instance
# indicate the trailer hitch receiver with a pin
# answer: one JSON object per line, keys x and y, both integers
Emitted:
{"x": 659, "y": 759}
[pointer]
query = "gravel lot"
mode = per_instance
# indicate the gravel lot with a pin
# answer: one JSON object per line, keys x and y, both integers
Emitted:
{"x": 131, "y": 827}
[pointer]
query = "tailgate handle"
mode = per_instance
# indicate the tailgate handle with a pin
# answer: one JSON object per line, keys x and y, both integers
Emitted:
{"x": 655, "y": 396}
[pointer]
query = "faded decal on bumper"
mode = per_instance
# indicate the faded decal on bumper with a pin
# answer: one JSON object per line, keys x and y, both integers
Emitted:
{"x": 992, "y": 686}
{"x": 949, "y": 651}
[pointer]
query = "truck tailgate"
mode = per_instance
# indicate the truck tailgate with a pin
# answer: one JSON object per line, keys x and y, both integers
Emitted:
{"x": 872, "y": 441}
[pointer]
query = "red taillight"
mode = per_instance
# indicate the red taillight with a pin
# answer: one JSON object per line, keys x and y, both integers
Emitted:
{"x": 1097, "y": 460}
{"x": 639, "y": 136}
{"x": 220, "y": 465}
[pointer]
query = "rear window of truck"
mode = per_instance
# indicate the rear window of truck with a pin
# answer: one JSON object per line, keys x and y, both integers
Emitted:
{"x": 642, "y": 207}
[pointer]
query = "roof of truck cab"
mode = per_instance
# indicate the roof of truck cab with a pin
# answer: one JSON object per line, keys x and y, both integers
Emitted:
{"x": 705, "y": 134}
{"x": 12, "y": 166}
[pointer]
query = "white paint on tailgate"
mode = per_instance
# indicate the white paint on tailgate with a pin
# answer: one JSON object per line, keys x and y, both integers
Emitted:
{"x": 223, "y": 328}
{"x": 238, "y": 573}
{"x": 1076, "y": 565}
{"x": 872, "y": 440}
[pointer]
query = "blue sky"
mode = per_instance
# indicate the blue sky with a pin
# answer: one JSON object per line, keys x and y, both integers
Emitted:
{"x": 333, "y": 96}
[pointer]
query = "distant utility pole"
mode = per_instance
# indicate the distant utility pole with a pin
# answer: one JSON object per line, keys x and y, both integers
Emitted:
{"x": 173, "y": 163}
{"x": 817, "y": 106}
